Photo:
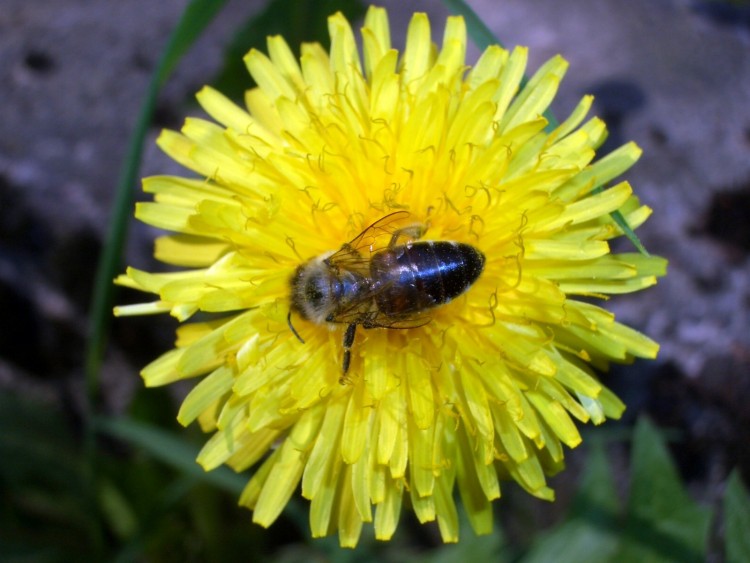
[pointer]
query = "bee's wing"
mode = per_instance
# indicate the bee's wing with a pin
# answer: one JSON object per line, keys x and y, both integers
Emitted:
{"x": 382, "y": 321}
{"x": 371, "y": 240}
{"x": 364, "y": 311}
{"x": 384, "y": 225}
{"x": 354, "y": 256}
{"x": 347, "y": 258}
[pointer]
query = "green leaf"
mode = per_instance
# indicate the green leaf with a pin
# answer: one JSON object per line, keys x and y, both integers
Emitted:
{"x": 296, "y": 20}
{"x": 663, "y": 522}
{"x": 660, "y": 523}
{"x": 737, "y": 520}
{"x": 590, "y": 533}
{"x": 597, "y": 499}
{"x": 196, "y": 17}
{"x": 172, "y": 450}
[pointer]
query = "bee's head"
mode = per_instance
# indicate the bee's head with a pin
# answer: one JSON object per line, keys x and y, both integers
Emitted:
{"x": 314, "y": 290}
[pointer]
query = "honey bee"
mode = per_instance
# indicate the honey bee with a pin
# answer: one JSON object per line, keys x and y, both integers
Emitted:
{"x": 392, "y": 287}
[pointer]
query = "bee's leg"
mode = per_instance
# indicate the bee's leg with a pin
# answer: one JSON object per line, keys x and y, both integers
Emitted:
{"x": 412, "y": 232}
{"x": 348, "y": 341}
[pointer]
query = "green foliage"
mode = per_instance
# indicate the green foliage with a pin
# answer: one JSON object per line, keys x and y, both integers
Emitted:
{"x": 55, "y": 508}
{"x": 589, "y": 533}
{"x": 737, "y": 520}
{"x": 171, "y": 449}
{"x": 662, "y": 523}
{"x": 659, "y": 522}
{"x": 491, "y": 547}
{"x": 47, "y": 504}
{"x": 148, "y": 500}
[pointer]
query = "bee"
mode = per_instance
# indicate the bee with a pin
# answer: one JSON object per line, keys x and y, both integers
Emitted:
{"x": 393, "y": 287}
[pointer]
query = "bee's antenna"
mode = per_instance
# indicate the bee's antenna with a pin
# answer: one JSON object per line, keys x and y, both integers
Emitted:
{"x": 291, "y": 327}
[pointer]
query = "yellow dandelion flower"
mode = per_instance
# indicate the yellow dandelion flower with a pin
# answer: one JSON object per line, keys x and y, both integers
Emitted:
{"x": 353, "y": 385}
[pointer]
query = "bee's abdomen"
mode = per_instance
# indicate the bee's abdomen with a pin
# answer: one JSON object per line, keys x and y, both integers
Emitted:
{"x": 422, "y": 275}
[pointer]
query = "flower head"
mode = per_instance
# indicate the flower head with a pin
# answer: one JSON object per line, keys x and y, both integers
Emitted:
{"x": 482, "y": 388}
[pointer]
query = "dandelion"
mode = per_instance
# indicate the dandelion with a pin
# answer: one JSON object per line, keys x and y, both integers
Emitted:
{"x": 491, "y": 385}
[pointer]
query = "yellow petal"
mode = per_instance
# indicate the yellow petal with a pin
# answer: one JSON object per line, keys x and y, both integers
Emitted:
{"x": 421, "y": 403}
{"x": 267, "y": 76}
{"x": 205, "y": 394}
{"x": 388, "y": 512}
{"x": 376, "y": 38}
{"x": 287, "y": 469}
{"x": 356, "y": 426}
{"x": 418, "y": 53}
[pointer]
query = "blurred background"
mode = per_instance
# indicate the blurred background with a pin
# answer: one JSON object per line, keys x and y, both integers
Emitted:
{"x": 671, "y": 75}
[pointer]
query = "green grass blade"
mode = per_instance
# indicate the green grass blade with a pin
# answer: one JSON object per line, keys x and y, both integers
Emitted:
{"x": 632, "y": 237}
{"x": 196, "y": 17}
{"x": 161, "y": 508}
{"x": 621, "y": 222}
{"x": 172, "y": 450}
{"x": 176, "y": 452}
{"x": 194, "y": 20}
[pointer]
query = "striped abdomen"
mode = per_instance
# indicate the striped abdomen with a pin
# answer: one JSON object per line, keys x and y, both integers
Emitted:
{"x": 414, "y": 277}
